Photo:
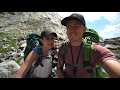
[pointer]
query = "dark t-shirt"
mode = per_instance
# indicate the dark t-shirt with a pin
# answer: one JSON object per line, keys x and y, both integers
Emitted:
{"x": 100, "y": 55}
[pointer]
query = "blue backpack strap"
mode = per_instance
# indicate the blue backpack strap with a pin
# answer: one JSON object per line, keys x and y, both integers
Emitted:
{"x": 39, "y": 52}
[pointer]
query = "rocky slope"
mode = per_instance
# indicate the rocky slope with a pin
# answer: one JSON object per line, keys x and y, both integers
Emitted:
{"x": 114, "y": 45}
{"x": 22, "y": 23}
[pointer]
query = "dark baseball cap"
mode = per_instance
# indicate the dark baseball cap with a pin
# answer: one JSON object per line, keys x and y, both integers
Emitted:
{"x": 73, "y": 16}
{"x": 47, "y": 32}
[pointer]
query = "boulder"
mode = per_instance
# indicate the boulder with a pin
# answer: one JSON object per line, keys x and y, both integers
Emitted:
{"x": 8, "y": 69}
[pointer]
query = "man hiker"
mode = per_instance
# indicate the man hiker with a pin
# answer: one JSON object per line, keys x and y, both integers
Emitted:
{"x": 72, "y": 65}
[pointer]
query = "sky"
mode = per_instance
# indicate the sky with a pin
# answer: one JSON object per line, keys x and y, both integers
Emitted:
{"x": 107, "y": 24}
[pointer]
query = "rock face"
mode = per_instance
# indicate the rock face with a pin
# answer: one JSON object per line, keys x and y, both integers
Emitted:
{"x": 113, "y": 41}
{"x": 8, "y": 69}
{"x": 114, "y": 45}
{"x": 22, "y": 23}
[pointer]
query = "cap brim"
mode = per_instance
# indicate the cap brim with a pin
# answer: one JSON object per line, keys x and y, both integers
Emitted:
{"x": 55, "y": 35}
{"x": 65, "y": 20}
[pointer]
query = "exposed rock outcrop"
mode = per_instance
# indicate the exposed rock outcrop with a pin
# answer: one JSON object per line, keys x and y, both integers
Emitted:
{"x": 114, "y": 45}
{"x": 22, "y": 23}
{"x": 8, "y": 69}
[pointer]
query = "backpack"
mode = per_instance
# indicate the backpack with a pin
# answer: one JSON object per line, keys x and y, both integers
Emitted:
{"x": 33, "y": 41}
{"x": 90, "y": 37}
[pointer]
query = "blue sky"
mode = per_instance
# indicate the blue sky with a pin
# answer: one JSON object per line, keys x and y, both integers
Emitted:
{"x": 107, "y": 24}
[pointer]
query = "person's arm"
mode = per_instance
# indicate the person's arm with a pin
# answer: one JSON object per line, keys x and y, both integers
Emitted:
{"x": 112, "y": 67}
{"x": 108, "y": 60}
{"x": 26, "y": 65}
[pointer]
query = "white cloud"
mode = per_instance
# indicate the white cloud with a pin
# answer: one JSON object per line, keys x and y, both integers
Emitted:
{"x": 110, "y": 31}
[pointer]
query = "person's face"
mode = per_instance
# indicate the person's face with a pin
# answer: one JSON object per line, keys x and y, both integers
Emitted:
{"x": 75, "y": 30}
{"x": 48, "y": 41}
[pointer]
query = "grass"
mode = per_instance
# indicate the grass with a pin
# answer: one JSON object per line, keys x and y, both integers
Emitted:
{"x": 11, "y": 43}
{"x": 8, "y": 41}
{"x": 19, "y": 60}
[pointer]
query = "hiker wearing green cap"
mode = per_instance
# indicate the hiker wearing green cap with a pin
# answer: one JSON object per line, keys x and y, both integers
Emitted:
{"x": 82, "y": 56}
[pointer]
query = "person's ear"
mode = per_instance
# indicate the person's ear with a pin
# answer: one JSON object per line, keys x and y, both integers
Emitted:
{"x": 85, "y": 28}
{"x": 41, "y": 40}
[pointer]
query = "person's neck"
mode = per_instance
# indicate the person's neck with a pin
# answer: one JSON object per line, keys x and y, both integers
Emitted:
{"x": 76, "y": 43}
{"x": 45, "y": 50}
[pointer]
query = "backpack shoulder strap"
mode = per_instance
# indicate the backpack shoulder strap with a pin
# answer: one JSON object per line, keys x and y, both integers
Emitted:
{"x": 88, "y": 47}
{"x": 64, "y": 52}
{"x": 52, "y": 54}
{"x": 39, "y": 51}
